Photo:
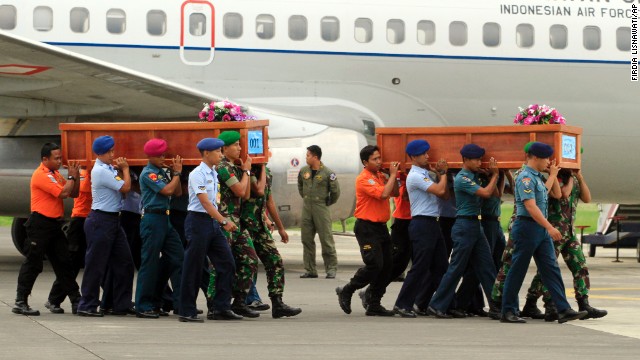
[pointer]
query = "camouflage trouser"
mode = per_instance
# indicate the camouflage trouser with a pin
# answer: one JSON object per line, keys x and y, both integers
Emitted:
{"x": 246, "y": 259}
{"x": 571, "y": 251}
{"x": 498, "y": 286}
{"x": 270, "y": 257}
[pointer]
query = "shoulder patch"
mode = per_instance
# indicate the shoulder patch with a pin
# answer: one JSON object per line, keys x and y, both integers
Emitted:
{"x": 333, "y": 177}
{"x": 527, "y": 191}
{"x": 466, "y": 179}
{"x": 526, "y": 181}
{"x": 201, "y": 187}
{"x": 153, "y": 177}
{"x": 306, "y": 175}
{"x": 118, "y": 178}
{"x": 371, "y": 182}
{"x": 427, "y": 179}
{"x": 52, "y": 178}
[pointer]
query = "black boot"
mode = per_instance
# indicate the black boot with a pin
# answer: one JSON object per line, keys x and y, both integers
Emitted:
{"x": 365, "y": 296}
{"x": 22, "y": 307}
{"x": 210, "y": 309}
{"x": 570, "y": 314}
{"x": 531, "y": 310}
{"x": 280, "y": 309}
{"x": 592, "y": 313}
{"x": 240, "y": 308}
{"x": 344, "y": 298}
{"x": 550, "y": 312}
{"x": 495, "y": 310}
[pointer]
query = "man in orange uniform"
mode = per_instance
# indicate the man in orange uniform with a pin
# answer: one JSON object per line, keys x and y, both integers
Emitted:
{"x": 373, "y": 190}
{"x": 77, "y": 240}
{"x": 44, "y": 231}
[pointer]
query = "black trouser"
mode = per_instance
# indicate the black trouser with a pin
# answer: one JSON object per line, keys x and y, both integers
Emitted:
{"x": 45, "y": 236}
{"x": 130, "y": 222}
{"x": 375, "y": 248}
{"x": 77, "y": 249}
{"x": 446, "y": 224}
{"x": 401, "y": 242}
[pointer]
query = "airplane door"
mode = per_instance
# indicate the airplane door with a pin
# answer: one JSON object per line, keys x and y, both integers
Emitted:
{"x": 197, "y": 32}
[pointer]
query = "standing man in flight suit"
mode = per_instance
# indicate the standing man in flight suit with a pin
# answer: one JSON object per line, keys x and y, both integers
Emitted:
{"x": 107, "y": 245}
{"x": 532, "y": 237}
{"x": 205, "y": 238}
{"x": 469, "y": 243}
{"x": 45, "y": 236}
{"x": 318, "y": 186}
{"x": 157, "y": 233}
{"x": 235, "y": 188}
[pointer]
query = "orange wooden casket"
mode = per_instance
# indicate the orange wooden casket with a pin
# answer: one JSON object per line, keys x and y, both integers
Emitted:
{"x": 181, "y": 137}
{"x": 504, "y": 143}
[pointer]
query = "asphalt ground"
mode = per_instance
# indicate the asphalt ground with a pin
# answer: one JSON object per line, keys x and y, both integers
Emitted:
{"x": 323, "y": 331}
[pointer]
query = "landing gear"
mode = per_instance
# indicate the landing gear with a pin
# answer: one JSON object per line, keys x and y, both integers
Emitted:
{"x": 19, "y": 234}
{"x": 592, "y": 250}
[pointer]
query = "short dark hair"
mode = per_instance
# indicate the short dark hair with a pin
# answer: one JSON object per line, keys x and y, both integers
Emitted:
{"x": 47, "y": 148}
{"x": 367, "y": 151}
{"x": 315, "y": 150}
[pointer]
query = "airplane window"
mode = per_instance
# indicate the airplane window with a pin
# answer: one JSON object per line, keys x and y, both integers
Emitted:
{"x": 458, "y": 33}
{"x": 491, "y": 34}
{"x": 363, "y": 31}
{"x": 79, "y": 20}
{"x": 395, "y": 31}
{"x": 197, "y": 24}
{"x": 43, "y": 18}
{"x": 265, "y": 26}
{"x": 232, "y": 24}
{"x": 558, "y": 36}
{"x": 8, "y": 16}
{"x": 426, "y": 32}
{"x": 623, "y": 38}
{"x": 297, "y": 27}
{"x": 156, "y": 22}
{"x": 591, "y": 37}
{"x": 330, "y": 28}
{"x": 116, "y": 21}
{"x": 524, "y": 35}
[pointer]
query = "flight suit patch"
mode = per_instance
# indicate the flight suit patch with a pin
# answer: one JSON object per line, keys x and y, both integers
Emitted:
{"x": 333, "y": 177}
{"x": 319, "y": 177}
{"x": 526, "y": 181}
{"x": 306, "y": 176}
{"x": 366, "y": 247}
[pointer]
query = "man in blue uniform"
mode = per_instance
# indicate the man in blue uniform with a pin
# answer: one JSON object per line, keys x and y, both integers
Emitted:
{"x": 469, "y": 243}
{"x": 429, "y": 258}
{"x": 532, "y": 234}
{"x": 157, "y": 233}
{"x": 205, "y": 238}
{"x": 107, "y": 245}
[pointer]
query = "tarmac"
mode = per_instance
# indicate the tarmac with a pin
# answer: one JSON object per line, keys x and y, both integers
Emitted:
{"x": 323, "y": 331}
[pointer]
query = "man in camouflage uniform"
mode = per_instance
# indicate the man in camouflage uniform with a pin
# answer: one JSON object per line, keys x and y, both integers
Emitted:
{"x": 235, "y": 188}
{"x": 562, "y": 215}
{"x": 318, "y": 186}
{"x": 253, "y": 220}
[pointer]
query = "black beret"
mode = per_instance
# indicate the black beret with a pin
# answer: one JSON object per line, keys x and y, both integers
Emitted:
{"x": 540, "y": 150}
{"x": 472, "y": 151}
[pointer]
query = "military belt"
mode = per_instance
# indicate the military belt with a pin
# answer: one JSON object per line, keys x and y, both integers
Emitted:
{"x": 469, "y": 217}
{"x": 157, "y": 211}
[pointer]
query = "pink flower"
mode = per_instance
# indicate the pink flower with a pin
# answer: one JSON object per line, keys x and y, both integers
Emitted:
{"x": 561, "y": 120}
{"x": 202, "y": 114}
{"x": 529, "y": 120}
{"x": 211, "y": 116}
{"x": 228, "y": 105}
{"x": 226, "y": 117}
{"x": 211, "y": 105}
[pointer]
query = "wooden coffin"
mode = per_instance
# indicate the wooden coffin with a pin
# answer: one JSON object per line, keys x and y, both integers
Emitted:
{"x": 504, "y": 143}
{"x": 181, "y": 137}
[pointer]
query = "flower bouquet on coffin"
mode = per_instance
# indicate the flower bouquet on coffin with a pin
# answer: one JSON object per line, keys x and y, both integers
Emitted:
{"x": 538, "y": 115}
{"x": 224, "y": 110}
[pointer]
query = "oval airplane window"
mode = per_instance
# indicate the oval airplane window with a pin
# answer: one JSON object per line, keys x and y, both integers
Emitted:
{"x": 330, "y": 28}
{"x": 426, "y": 32}
{"x": 156, "y": 22}
{"x": 395, "y": 31}
{"x": 297, "y": 27}
{"x": 79, "y": 20}
{"x": 363, "y": 30}
{"x": 591, "y": 37}
{"x": 558, "y": 36}
{"x": 43, "y": 18}
{"x": 232, "y": 25}
{"x": 197, "y": 24}
{"x": 116, "y": 21}
{"x": 265, "y": 26}
{"x": 491, "y": 34}
{"x": 524, "y": 35}
{"x": 623, "y": 38}
{"x": 8, "y": 16}
{"x": 458, "y": 33}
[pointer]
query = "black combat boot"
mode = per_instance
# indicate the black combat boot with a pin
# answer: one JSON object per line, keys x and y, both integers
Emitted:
{"x": 592, "y": 313}
{"x": 240, "y": 308}
{"x": 365, "y": 296}
{"x": 210, "y": 309}
{"x": 22, "y": 307}
{"x": 75, "y": 300}
{"x": 550, "y": 312}
{"x": 495, "y": 310}
{"x": 280, "y": 309}
{"x": 531, "y": 310}
{"x": 344, "y": 297}
{"x": 570, "y": 314}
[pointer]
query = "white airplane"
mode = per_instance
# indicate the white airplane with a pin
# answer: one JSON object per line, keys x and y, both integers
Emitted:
{"x": 323, "y": 72}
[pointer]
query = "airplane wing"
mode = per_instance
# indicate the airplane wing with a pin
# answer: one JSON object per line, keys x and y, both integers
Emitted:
{"x": 43, "y": 81}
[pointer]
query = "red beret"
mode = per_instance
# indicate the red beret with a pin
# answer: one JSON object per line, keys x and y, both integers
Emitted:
{"x": 155, "y": 147}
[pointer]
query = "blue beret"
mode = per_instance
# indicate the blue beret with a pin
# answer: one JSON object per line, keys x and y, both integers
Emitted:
{"x": 102, "y": 144}
{"x": 229, "y": 137}
{"x": 541, "y": 150}
{"x": 417, "y": 147}
{"x": 209, "y": 144}
{"x": 472, "y": 151}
